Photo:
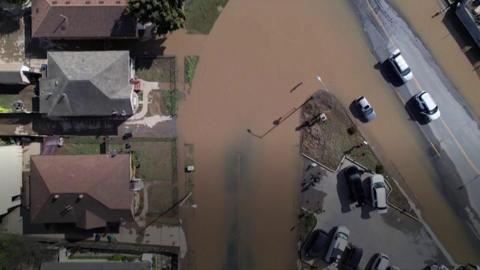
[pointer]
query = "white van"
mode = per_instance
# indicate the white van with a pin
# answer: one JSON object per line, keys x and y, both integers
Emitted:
{"x": 338, "y": 245}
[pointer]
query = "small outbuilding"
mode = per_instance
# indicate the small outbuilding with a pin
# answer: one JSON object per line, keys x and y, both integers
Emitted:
{"x": 14, "y": 74}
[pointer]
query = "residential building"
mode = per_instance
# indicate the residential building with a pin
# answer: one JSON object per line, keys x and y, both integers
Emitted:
{"x": 468, "y": 11}
{"x": 89, "y": 191}
{"x": 11, "y": 177}
{"x": 88, "y": 84}
{"x": 82, "y": 19}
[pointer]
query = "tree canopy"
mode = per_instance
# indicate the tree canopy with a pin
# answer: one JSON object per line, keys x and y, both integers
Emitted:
{"x": 166, "y": 15}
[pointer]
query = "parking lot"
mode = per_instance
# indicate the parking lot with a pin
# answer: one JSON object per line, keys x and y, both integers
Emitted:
{"x": 404, "y": 240}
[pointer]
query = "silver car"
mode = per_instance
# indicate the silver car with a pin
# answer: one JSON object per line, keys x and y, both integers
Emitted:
{"x": 338, "y": 245}
{"x": 365, "y": 109}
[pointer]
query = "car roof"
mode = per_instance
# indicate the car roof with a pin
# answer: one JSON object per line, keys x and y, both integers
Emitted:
{"x": 381, "y": 197}
{"x": 363, "y": 101}
{"x": 402, "y": 64}
{"x": 377, "y": 178}
{"x": 428, "y": 100}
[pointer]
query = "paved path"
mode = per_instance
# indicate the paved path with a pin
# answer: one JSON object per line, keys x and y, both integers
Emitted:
{"x": 455, "y": 137}
{"x": 146, "y": 87}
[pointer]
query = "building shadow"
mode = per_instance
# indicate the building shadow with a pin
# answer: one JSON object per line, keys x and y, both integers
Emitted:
{"x": 413, "y": 110}
{"x": 343, "y": 192}
{"x": 77, "y": 126}
{"x": 388, "y": 73}
{"x": 9, "y": 23}
{"x": 465, "y": 42}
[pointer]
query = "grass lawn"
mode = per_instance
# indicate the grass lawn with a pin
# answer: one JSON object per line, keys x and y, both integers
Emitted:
{"x": 157, "y": 157}
{"x": 202, "y": 14}
{"x": 80, "y": 146}
{"x": 169, "y": 102}
{"x": 327, "y": 142}
{"x": 6, "y": 102}
{"x": 161, "y": 69}
{"x": 161, "y": 197}
{"x": 191, "y": 62}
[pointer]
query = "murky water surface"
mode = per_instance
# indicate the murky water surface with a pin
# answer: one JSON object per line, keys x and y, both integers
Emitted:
{"x": 247, "y": 188}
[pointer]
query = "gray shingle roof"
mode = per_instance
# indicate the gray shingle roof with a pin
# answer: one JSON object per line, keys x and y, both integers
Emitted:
{"x": 93, "y": 83}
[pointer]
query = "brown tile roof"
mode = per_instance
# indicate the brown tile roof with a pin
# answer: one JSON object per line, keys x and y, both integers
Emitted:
{"x": 64, "y": 19}
{"x": 91, "y": 189}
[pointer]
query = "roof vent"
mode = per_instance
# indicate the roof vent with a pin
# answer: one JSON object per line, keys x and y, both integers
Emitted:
{"x": 67, "y": 2}
{"x": 54, "y": 2}
{"x": 55, "y": 197}
{"x": 80, "y": 196}
{"x": 100, "y": 2}
{"x": 118, "y": 2}
{"x": 87, "y": 2}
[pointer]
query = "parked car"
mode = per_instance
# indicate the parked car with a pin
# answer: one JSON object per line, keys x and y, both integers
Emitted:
{"x": 338, "y": 245}
{"x": 379, "y": 193}
{"x": 381, "y": 262}
{"x": 351, "y": 258}
{"x": 365, "y": 109}
{"x": 427, "y": 106}
{"x": 317, "y": 244}
{"x": 400, "y": 66}
{"x": 354, "y": 183}
{"x": 436, "y": 267}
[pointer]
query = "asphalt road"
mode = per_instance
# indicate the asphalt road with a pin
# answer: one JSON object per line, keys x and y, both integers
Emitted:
{"x": 455, "y": 137}
{"x": 405, "y": 241}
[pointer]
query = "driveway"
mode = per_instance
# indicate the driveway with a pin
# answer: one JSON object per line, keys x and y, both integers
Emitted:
{"x": 394, "y": 234}
{"x": 455, "y": 137}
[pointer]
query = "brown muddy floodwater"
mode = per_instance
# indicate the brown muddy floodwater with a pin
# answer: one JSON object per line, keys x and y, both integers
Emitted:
{"x": 449, "y": 43}
{"x": 247, "y": 188}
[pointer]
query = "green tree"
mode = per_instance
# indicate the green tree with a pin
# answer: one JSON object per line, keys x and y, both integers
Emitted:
{"x": 17, "y": 252}
{"x": 166, "y": 15}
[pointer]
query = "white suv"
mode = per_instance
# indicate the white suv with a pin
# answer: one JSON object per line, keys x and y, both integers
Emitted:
{"x": 427, "y": 106}
{"x": 338, "y": 245}
{"x": 400, "y": 65}
{"x": 379, "y": 193}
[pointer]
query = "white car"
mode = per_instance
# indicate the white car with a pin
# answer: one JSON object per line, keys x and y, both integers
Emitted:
{"x": 427, "y": 105}
{"x": 400, "y": 66}
{"x": 365, "y": 108}
{"x": 379, "y": 193}
{"x": 381, "y": 262}
{"x": 338, "y": 245}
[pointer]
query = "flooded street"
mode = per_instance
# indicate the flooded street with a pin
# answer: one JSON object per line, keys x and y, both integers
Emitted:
{"x": 247, "y": 188}
{"x": 449, "y": 43}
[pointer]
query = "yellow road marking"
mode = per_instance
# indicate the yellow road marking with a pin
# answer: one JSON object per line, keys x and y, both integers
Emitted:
{"x": 417, "y": 84}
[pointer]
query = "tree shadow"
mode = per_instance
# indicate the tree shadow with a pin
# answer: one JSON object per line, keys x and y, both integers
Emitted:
{"x": 388, "y": 73}
{"x": 342, "y": 191}
{"x": 462, "y": 37}
{"x": 9, "y": 23}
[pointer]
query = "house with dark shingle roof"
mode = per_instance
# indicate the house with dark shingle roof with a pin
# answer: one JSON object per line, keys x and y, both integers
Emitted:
{"x": 82, "y": 19}
{"x": 86, "y": 84}
{"x": 89, "y": 191}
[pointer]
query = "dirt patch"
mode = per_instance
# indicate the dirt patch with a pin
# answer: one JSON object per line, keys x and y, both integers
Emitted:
{"x": 155, "y": 159}
{"x": 155, "y": 106}
{"x": 328, "y": 141}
